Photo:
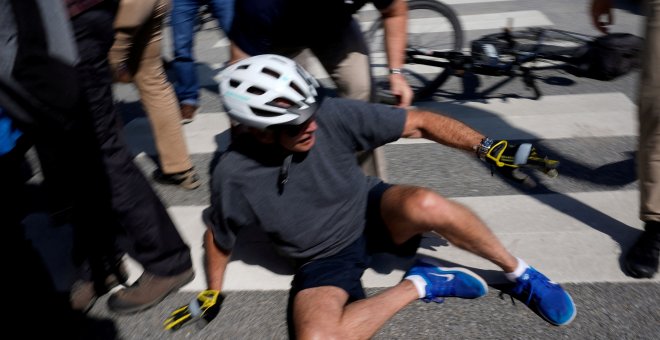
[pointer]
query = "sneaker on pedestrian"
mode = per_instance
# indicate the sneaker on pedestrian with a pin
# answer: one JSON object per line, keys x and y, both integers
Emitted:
{"x": 444, "y": 282}
{"x": 642, "y": 259}
{"x": 188, "y": 112}
{"x": 546, "y": 298}
{"x": 147, "y": 291}
{"x": 186, "y": 179}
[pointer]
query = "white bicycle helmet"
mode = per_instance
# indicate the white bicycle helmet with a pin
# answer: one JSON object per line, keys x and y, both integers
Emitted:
{"x": 267, "y": 90}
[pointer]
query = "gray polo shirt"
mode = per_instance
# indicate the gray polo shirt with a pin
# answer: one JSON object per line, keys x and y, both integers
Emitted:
{"x": 322, "y": 206}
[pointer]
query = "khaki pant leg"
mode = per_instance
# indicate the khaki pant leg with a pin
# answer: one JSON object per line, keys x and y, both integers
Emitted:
{"x": 649, "y": 118}
{"x": 157, "y": 94}
{"x": 346, "y": 60}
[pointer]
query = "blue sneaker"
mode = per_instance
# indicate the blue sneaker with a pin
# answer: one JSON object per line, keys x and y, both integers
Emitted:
{"x": 448, "y": 282}
{"x": 544, "y": 297}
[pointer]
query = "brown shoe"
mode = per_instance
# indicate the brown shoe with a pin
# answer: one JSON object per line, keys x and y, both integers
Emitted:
{"x": 186, "y": 179}
{"x": 188, "y": 113}
{"x": 147, "y": 291}
{"x": 84, "y": 294}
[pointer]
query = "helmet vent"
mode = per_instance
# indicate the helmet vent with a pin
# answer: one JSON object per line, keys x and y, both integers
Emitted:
{"x": 255, "y": 90}
{"x": 271, "y": 72}
{"x": 234, "y": 83}
{"x": 297, "y": 89}
{"x": 264, "y": 113}
{"x": 282, "y": 103}
{"x": 243, "y": 67}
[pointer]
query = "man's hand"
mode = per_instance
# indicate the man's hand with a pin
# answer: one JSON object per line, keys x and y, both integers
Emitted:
{"x": 602, "y": 9}
{"x": 204, "y": 308}
{"x": 509, "y": 158}
{"x": 401, "y": 90}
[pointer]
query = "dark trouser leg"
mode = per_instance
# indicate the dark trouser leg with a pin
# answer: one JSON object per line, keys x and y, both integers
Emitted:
{"x": 152, "y": 238}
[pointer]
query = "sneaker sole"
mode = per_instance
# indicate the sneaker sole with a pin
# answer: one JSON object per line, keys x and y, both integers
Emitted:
{"x": 560, "y": 324}
{"x": 146, "y": 306}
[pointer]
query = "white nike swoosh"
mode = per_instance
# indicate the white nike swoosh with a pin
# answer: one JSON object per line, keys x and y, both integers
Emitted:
{"x": 449, "y": 277}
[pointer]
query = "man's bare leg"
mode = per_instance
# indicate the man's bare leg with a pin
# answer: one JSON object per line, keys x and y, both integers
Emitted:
{"x": 322, "y": 313}
{"x": 409, "y": 211}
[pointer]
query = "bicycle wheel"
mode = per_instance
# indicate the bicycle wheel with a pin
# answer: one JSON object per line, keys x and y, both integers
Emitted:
{"x": 432, "y": 25}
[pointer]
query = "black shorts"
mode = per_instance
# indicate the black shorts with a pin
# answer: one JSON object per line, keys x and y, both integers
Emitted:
{"x": 345, "y": 268}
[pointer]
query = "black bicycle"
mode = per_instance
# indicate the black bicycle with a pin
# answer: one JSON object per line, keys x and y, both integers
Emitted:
{"x": 435, "y": 53}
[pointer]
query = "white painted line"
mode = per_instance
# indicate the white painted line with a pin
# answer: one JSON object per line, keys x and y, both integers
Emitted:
{"x": 569, "y": 237}
{"x": 468, "y": 22}
{"x": 551, "y": 117}
{"x": 476, "y": 22}
{"x": 206, "y": 134}
{"x": 371, "y": 7}
{"x": 500, "y": 20}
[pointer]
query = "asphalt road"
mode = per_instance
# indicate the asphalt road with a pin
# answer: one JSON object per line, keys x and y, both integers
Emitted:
{"x": 574, "y": 228}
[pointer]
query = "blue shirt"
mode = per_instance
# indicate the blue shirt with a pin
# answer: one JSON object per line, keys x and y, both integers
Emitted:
{"x": 8, "y": 134}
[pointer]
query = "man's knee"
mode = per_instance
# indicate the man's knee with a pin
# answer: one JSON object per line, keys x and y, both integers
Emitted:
{"x": 423, "y": 201}
{"x": 414, "y": 210}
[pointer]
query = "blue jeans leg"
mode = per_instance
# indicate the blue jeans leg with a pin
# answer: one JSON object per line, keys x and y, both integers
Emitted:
{"x": 182, "y": 20}
{"x": 223, "y": 11}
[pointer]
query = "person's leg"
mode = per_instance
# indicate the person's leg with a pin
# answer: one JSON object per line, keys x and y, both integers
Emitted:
{"x": 346, "y": 59}
{"x": 223, "y": 11}
{"x": 157, "y": 95}
{"x": 329, "y": 300}
{"x": 153, "y": 238}
{"x": 642, "y": 259}
{"x": 322, "y": 312}
{"x": 131, "y": 16}
{"x": 409, "y": 211}
{"x": 182, "y": 20}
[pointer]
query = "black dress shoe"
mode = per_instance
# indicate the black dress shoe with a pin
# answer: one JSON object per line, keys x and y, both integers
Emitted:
{"x": 642, "y": 258}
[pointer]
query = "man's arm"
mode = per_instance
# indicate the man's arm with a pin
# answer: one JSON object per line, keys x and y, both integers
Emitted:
{"x": 395, "y": 21}
{"x": 208, "y": 303}
{"x": 441, "y": 129}
{"x": 505, "y": 157}
{"x": 216, "y": 261}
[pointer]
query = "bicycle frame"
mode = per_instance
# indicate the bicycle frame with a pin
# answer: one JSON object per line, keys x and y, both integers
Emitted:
{"x": 463, "y": 65}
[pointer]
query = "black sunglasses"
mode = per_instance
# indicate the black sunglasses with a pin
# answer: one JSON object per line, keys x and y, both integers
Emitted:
{"x": 294, "y": 130}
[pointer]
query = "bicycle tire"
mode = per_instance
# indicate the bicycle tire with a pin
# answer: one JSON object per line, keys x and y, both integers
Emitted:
{"x": 432, "y": 25}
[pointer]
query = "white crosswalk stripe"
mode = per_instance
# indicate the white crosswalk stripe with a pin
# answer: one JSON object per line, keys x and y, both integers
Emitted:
{"x": 478, "y": 22}
{"x": 590, "y": 115}
{"x": 567, "y": 252}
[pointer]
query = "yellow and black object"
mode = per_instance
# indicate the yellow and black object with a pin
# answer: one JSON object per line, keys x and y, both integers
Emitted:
{"x": 201, "y": 311}
{"x": 508, "y": 159}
